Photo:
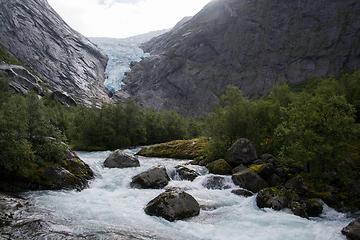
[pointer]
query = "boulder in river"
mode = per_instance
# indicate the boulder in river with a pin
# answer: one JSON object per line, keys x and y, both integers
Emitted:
{"x": 173, "y": 204}
{"x": 249, "y": 180}
{"x": 241, "y": 152}
{"x": 186, "y": 173}
{"x": 155, "y": 177}
{"x": 352, "y": 231}
{"x": 219, "y": 167}
{"x": 216, "y": 182}
{"x": 120, "y": 159}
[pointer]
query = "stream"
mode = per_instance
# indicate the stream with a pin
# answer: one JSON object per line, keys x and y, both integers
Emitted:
{"x": 109, "y": 209}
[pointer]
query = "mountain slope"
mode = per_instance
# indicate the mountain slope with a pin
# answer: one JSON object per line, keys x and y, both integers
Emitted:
{"x": 37, "y": 36}
{"x": 248, "y": 44}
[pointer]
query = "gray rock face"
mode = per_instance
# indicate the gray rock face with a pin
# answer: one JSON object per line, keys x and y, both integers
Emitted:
{"x": 155, "y": 177}
{"x": 173, "y": 205}
{"x": 352, "y": 231}
{"x": 20, "y": 79}
{"x": 119, "y": 159}
{"x": 241, "y": 152}
{"x": 37, "y": 36}
{"x": 248, "y": 44}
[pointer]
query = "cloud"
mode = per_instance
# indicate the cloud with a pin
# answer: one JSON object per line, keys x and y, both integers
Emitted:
{"x": 124, "y": 18}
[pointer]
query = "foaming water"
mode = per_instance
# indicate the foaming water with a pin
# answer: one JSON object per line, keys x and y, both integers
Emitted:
{"x": 109, "y": 209}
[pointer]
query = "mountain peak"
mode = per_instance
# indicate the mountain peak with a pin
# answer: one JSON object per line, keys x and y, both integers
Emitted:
{"x": 248, "y": 44}
{"x": 34, "y": 33}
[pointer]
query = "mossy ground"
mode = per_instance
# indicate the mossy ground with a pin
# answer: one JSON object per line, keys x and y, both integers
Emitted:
{"x": 181, "y": 149}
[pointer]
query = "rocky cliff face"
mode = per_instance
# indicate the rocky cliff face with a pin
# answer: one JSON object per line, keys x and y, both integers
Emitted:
{"x": 248, "y": 44}
{"x": 64, "y": 59}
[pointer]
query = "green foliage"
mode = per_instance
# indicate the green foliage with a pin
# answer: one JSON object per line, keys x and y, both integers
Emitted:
{"x": 124, "y": 125}
{"x": 238, "y": 117}
{"x": 27, "y": 139}
{"x": 311, "y": 126}
{"x": 316, "y": 130}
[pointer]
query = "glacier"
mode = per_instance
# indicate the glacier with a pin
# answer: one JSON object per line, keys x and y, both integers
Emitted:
{"x": 121, "y": 52}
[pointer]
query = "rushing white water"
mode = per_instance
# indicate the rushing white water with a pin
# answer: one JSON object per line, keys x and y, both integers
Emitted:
{"x": 109, "y": 209}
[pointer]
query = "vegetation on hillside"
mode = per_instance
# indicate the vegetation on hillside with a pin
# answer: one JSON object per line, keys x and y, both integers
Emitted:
{"x": 313, "y": 125}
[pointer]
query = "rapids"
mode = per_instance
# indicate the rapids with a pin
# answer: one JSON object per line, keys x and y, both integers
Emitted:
{"x": 108, "y": 209}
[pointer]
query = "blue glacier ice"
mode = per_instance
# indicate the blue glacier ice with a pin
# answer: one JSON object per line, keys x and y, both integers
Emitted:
{"x": 121, "y": 53}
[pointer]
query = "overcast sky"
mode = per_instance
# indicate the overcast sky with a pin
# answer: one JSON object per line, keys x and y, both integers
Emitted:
{"x": 124, "y": 18}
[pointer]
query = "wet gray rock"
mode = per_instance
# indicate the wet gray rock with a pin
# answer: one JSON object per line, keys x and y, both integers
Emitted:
{"x": 36, "y": 35}
{"x": 272, "y": 198}
{"x": 239, "y": 169}
{"x": 216, "y": 182}
{"x": 352, "y": 231}
{"x": 275, "y": 180}
{"x": 297, "y": 184}
{"x": 241, "y": 152}
{"x": 266, "y": 171}
{"x": 247, "y": 44}
{"x": 186, "y": 173}
{"x": 120, "y": 159}
{"x": 173, "y": 205}
{"x": 242, "y": 192}
{"x": 249, "y": 180}
{"x": 155, "y": 177}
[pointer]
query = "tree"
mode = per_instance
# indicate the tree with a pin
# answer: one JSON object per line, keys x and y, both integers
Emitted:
{"x": 315, "y": 132}
{"x": 234, "y": 117}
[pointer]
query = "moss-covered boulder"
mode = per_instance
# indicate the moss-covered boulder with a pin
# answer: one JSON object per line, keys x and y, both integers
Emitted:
{"x": 181, "y": 149}
{"x": 279, "y": 198}
{"x": 68, "y": 173}
{"x": 219, "y": 167}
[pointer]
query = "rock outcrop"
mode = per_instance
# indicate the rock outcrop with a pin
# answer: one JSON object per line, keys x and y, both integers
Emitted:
{"x": 155, "y": 177}
{"x": 20, "y": 79}
{"x": 248, "y": 44}
{"x": 173, "y": 204}
{"x": 120, "y": 159}
{"x": 66, "y": 61}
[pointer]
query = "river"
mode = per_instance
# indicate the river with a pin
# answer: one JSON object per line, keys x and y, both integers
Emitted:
{"x": 109, "y": 209}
